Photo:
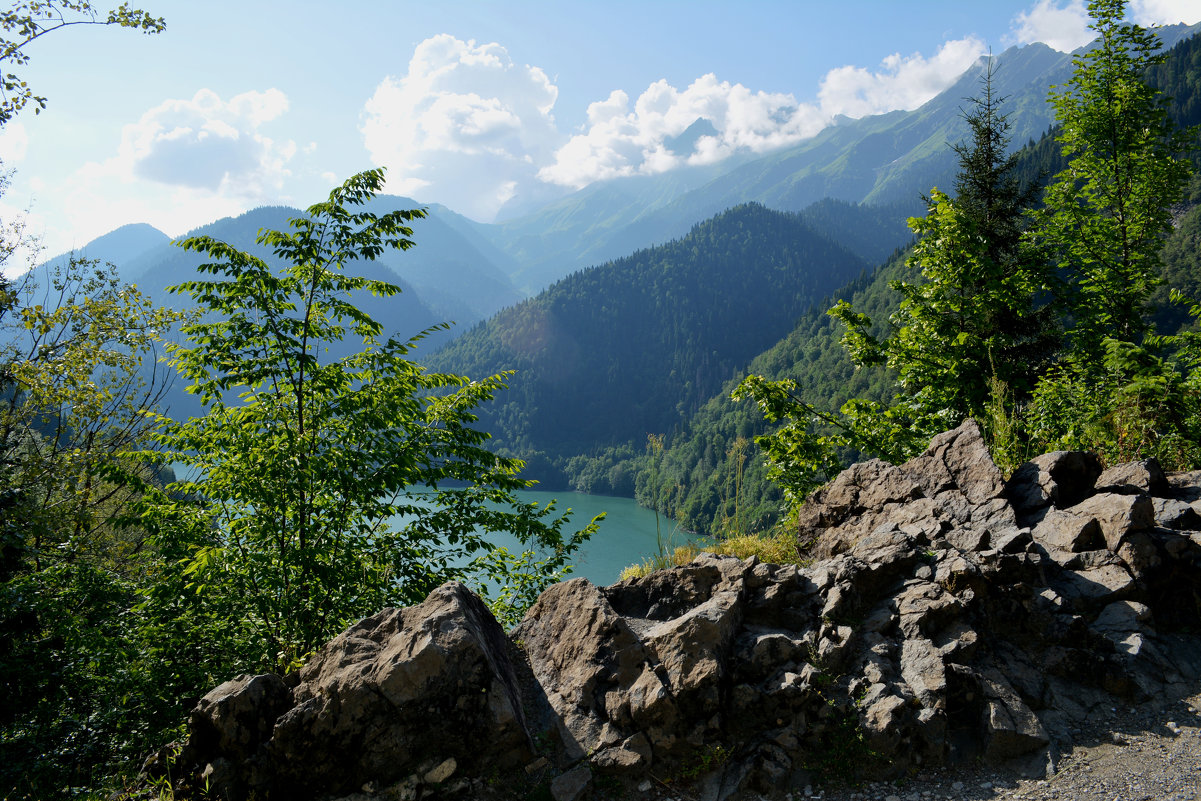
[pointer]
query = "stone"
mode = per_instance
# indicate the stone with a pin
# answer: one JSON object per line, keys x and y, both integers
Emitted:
{"x": 1172, "y": 513}
{"x": 1117, "y": 515}
{"x": 571, "y": 785}
{"x": 1068, "y": 531}
{"x": 1061, "y": 478}
{"x": 441, "y": 772}
{"x": 1012, "y": 729}
{"x": 1145, "y": 477}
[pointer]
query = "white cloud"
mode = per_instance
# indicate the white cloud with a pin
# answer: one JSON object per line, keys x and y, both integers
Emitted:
{"x": 899, "y": 83}
{"x": 208, "y": 144}
{"x": 618, "y": 140}
{"x": 1165, "y": 12}
{"x": 1061, "y": 26}
{"x": 465, "y": 126}
{"x": 14, "y": 141}
{"x": 182, "y": 164}
{"x": 1065, "y": 26}
{"x": 728, "y": 118}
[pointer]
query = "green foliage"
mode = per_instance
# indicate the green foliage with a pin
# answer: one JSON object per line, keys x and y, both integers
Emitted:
{"x": 970, "y": 318}
{"x": 25, "y": 22}
{"x": 77, "y": 692}
{"x": 1138, "y": 405}
{"x": 332, "y": 485}
{"x": 1108, "y": 213}
{"x": 1121, "y": 390}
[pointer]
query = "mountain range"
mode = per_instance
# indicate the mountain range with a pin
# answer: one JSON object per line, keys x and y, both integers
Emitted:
{"x": 628, "y": 306}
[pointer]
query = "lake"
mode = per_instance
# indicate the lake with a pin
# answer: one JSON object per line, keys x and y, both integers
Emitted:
{"x": 626, "y": 535}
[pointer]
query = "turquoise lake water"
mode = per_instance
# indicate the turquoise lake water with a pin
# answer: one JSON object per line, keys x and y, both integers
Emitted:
{"x": 626, "y": 535}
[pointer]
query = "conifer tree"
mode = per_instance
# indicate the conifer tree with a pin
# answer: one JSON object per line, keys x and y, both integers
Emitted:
{"x": 975, "y": 316}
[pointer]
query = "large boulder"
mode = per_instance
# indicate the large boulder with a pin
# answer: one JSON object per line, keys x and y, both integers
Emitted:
{"x": 405, "y": 692}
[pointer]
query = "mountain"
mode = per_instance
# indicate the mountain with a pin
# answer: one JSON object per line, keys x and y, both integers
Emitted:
{"x": 121, "y": 248}
{"x": 695, "y": 478}
{"x": 596, "y": 224}
{"x": 888, "y": 160}
{"x": 634, "y": 346}
{"x": 451, "y": 270}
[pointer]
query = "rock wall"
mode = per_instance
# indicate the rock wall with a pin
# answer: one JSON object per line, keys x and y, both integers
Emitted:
{"x": 946, "y": 616}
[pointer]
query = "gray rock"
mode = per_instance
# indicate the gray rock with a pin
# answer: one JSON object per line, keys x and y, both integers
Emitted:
{"x": 1117, "y": 515}
{"x": 1134, "y": 478}
{"x": 571, "y": 785}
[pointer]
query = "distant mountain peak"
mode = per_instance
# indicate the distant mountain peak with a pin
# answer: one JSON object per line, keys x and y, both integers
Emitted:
{"x": 684, "y": 144}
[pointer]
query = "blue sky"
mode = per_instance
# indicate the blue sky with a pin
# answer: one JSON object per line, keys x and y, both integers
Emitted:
{"x": 468, "y": 103}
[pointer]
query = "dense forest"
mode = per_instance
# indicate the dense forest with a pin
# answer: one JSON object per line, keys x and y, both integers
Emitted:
{"x": 634, "y": 347}
{"x": 710, "y": 473}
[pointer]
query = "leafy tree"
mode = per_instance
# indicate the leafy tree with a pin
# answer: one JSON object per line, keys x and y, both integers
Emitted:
{"x": 1122, "y": 390}
{"x": 331, "y": 485}
{"x": 973, "y": 318}
{"x": 25, "y": 22}
{"x": 1107, "y": 214}
{"x": 77, "y": 353}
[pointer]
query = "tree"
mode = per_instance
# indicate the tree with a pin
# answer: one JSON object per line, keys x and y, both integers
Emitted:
{"x": 1121, "y": 390}
{"x": 331, "y": 485}
{"x": 79, "y": 351}
{"x": 1108, "y": 212}
{"x": 25, "y": 22}
{"x": 976, "y": 316}
{"x": 972, "y": 322}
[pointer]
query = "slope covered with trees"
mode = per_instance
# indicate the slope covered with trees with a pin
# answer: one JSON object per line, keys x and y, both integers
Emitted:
{"x": 633, "y": 347}
{"x": 709, "y": 475}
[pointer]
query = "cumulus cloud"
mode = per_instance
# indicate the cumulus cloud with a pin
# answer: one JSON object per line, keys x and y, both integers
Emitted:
{"x": 714, "y": 119}
{"x": 208, "y": 144}
{"x": 899, "y": 83}
{"x": 183, "y": 163}
{"x": 465, "y": 125}
{"x": 654, "y": 135}
{"x": 1165, "y": 12}
{"x": 1063, "y": 27}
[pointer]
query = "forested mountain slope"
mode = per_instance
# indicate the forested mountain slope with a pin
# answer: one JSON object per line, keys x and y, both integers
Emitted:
{"x": 711, "y": 474}
{"x": 635, "y": 346}
{"x": 882, "y": 160}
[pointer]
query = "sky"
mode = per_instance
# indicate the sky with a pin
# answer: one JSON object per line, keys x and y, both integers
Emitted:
{"x": 468, "y": 103}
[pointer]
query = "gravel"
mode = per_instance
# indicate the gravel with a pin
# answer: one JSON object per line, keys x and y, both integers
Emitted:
{"x": 1150, "y": 753}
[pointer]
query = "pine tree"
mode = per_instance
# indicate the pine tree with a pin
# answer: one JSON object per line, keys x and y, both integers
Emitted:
{"x": 976, "y": 315}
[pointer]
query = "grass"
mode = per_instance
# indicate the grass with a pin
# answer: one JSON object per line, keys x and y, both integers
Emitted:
{"x": 775, "y": 548}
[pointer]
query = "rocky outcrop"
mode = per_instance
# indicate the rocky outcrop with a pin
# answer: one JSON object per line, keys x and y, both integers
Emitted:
{"x": 948, "y": 615}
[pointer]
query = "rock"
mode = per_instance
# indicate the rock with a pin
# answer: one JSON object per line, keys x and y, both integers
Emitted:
{"x": 430, "y": 684}
{"x": 1134, "y": 478}
{"x": 1171, "y": 513}
{"x": 1068, "y": 531}
{"x": 1117, "y": 515}
{"x": 235, "y": 719}
{"x": 958, "y": 460}
{"x": 571, "y": 785}
{"x": 1062, "y": 478}
{"x": 1011, "y": 729}
{"x": 441, "y": 772}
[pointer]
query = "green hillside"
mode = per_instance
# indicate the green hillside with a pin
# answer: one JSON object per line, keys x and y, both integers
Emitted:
{"x": 637, "y": 345}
